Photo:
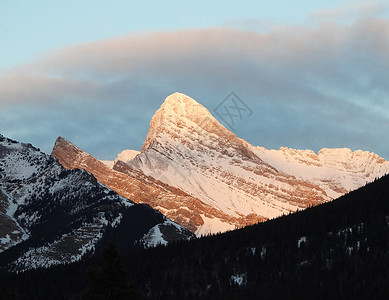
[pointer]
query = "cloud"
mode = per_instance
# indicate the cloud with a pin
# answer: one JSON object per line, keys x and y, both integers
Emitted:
{"x": 26, "y": 87}
{"x": 352, "y": 11}
{"x": 309, "y": 87}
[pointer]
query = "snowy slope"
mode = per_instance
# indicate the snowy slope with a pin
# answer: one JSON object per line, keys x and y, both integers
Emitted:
{"x": 337, "y": 171}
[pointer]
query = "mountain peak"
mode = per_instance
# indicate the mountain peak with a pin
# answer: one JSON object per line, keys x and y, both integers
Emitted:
{"x": 182, "y": 105}
{"x": 61, "y": 141}
{"x": 178, "y": 107}
{"x": 64, "y": 149}
{"x": 178, "y": 98}
{"x": 185, "y": 114}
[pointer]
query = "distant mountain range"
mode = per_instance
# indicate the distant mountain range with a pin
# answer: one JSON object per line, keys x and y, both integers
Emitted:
{"x": 202, "y": 176}
{"x": 50, "y": 215}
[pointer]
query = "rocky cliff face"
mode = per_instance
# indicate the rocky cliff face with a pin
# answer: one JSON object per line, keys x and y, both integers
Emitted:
{"x": 50, "y": 215}
{"x": 206, "y": 178}
{"x": 174, "y": 203}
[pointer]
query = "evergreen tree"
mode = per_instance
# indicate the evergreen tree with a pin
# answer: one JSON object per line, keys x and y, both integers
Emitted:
{"x": 112, "y": 282}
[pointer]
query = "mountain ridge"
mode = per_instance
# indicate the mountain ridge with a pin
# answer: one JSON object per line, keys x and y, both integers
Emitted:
{"x": 327, "y": 167}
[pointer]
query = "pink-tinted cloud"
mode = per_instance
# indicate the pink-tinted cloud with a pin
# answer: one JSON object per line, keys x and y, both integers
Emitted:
{"x": 336, "y": 57}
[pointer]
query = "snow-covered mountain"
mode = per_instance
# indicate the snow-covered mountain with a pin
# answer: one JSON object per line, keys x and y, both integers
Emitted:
{"x": 188, "y": 148}
{"x": 50, "y": 215}
{"x": 189, "y": 151}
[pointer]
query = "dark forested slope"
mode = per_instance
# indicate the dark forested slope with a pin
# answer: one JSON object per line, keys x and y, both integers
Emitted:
{"x": 338, "y": 250}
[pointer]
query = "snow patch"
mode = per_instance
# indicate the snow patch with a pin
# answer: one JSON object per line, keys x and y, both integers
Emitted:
{"x": 5, "y": 240}
{"x": 263, "y": 252}
{"x": 108, "y": 163}
{"x": 153, "y": 238}
{"x": 301, "y": 240}
{"x": 239, "y": 279}
{"x": 213, "y": 225}
{"x": 126, "y": 156}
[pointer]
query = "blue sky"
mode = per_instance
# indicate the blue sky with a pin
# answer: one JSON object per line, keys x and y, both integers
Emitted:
{"x": 314, "y": 73}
